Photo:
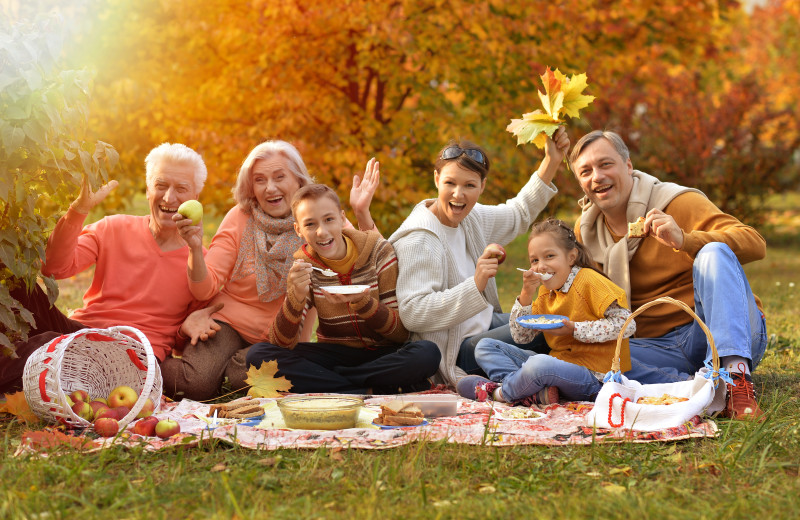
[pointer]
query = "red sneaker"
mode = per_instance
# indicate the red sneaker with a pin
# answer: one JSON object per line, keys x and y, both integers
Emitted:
{"x": 741, "y": 402}
{"x": 544, "y": 397}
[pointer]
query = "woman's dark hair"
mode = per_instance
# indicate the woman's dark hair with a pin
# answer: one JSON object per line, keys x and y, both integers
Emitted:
{"x": 463, "y": 159}
{"x": 565, "y": 238}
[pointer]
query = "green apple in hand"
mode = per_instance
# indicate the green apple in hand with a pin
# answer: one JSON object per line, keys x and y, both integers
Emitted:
{"x": 192, "y": 210}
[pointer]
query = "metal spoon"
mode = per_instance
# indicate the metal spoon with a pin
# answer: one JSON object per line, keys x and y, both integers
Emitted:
{"x": 543, "y": 276}
{"x": 326, "y": 272}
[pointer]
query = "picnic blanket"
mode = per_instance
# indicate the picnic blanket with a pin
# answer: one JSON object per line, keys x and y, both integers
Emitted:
{"x": 476, "y": 423}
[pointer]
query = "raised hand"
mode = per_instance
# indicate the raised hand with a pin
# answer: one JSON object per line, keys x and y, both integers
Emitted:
{"x": 485, "y": 268}
{"x": 87, "y": 199}
{"x": 191, "y": 234}
{"x": 530, "y": 287}
{"x": 557, "y": 146}
{"x": 299, "y": 279}
{"x": 663, "y": 228}
{"x": 362, "y": 192}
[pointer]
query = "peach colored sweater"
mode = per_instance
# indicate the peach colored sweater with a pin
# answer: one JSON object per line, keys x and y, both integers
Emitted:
{"x": 135, "y": 283}
{"x": 243, "y": 310}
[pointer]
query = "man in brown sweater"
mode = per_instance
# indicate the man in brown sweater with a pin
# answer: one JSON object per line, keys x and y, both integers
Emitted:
{"x": 349, "y": 276}
{"x": 691, "y": 251}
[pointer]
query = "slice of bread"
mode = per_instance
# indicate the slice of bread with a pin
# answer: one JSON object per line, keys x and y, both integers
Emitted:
{"x": 636, "y": 229}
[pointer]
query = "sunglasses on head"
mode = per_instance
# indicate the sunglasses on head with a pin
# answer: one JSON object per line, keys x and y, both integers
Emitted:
{"x": 455, "y": 151}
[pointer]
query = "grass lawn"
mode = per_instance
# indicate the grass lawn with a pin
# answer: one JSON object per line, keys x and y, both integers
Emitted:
{"x": 750, "y": 470}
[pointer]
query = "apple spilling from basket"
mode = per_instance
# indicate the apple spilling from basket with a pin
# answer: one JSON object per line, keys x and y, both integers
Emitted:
{"x": 105, "y": 413}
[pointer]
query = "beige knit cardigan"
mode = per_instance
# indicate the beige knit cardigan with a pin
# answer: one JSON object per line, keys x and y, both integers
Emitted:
{"x": 433, "y": 301}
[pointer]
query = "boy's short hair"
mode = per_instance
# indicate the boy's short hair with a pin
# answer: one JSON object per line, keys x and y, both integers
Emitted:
{"x": 314, "y": 192}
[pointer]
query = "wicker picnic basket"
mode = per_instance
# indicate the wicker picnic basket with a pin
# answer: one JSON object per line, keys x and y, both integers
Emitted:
{"x": 94, "y": 360}
{"x": 616, "y": 404}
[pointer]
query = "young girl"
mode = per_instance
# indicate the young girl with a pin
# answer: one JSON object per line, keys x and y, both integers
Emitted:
{"x": 564, "y": 280}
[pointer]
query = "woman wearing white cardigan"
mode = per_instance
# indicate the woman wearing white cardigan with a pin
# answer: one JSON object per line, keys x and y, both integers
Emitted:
{"x": 446, "y": 289}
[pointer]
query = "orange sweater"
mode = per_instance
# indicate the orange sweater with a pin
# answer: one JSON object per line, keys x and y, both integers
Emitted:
{"x": 657, "y": 270}
{"x": 135, "y": 283}
{"x": 590, "y": 295}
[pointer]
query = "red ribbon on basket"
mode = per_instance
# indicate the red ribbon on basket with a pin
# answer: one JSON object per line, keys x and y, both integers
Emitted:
{"x": 622, "y": 412}
{"x": 135, "y": 359}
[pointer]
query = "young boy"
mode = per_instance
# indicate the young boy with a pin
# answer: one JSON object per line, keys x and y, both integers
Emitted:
{"x": 362, "y": 345}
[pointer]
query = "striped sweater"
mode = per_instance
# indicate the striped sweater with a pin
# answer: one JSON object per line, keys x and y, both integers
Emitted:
{"x": 367, "y": 323}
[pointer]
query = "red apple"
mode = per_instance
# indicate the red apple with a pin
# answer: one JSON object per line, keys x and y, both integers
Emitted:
{"x": 106, "y": 426}
{"x": 97, "y": 405}
{"x": 167, "y": 428}
{"x": 121, "y": 411}
{"x": 146, "y": 426}
{"x": 496, "y": 251}
{"x": 147, "y": 409}
{"x": 122, "y": 396}
{"x": 100, "y": 400}
{"x": 105, "y": 413}
{"x": 79, "y": 395}
{"x": 83, "y": 410}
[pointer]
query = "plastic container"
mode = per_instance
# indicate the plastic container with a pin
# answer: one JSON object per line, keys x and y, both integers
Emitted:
{"x": 434, "y": 405}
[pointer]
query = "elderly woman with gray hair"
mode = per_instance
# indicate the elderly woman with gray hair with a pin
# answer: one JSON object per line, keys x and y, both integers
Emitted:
{"x": 245, "y": 268}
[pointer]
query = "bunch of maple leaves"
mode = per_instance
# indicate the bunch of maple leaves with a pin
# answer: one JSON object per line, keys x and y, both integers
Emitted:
{"x": 562, "y": 97}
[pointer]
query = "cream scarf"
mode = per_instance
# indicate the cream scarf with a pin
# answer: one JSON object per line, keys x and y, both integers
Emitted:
{"x": 647, "y": 193}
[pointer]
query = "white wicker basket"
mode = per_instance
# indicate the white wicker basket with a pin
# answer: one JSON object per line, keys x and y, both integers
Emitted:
{"x": 95, "y": 360}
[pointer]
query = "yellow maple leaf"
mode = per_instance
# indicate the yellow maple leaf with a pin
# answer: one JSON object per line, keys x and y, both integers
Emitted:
{"x": 263, "y": 382}
{"x": 534, "y": 127}
{"x": 16, "y": 404}
{"x": 574, "y": 100}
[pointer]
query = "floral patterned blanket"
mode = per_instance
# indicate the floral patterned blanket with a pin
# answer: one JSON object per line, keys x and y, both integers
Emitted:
{"x": 476, "y": 423}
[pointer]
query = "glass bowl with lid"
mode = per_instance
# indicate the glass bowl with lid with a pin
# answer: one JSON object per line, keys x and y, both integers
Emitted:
{"x": 320, "y": 412}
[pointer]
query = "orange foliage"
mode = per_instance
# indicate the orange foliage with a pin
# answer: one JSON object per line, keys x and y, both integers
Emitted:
{"x": 395, "y": 79}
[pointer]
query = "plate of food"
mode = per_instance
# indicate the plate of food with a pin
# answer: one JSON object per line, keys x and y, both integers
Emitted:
{"x": 519, "y": 413}
{"x": 542, "y": 321}
{"x": 344, "y": 289}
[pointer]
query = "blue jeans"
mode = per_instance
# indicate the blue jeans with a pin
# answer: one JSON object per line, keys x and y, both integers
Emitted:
{"x": 523, "y": 373}
{"x": 724, "y": 301}
{"x": 500, "y": 330}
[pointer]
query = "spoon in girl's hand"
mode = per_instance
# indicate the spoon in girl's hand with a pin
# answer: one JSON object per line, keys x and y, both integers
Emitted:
{"x": 543, "y": 276}
{"x": 326, "y": 272}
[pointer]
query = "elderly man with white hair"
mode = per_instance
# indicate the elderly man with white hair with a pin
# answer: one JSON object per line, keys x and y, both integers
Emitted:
{"x": 140, "y": 263}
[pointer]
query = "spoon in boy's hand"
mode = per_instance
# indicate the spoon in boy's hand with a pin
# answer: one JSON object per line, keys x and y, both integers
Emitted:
{"x": 326, "y": 272}
{"x": 544, "y": 276}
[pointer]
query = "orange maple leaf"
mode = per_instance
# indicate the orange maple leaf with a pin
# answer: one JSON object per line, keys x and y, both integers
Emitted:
{"x": 16, "y": 404}
{"x": 263, "y": 382}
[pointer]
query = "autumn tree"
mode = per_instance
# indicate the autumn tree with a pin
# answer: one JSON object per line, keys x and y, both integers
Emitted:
{"x": 346, "y": 81}
{"x": 44, "y": 153}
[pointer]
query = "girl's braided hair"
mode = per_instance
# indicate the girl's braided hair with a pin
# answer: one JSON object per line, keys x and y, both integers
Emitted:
{"x": 565, "y": 238}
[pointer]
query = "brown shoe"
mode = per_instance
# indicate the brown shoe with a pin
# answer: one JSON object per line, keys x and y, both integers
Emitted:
{"x": 741, "y": 401}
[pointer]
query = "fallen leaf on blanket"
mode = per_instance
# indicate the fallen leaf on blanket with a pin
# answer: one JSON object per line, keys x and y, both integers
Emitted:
{"x": 16, "y": 404}
{"x": 219, "y": 467}
{"x": 263, "y": 382}
{"x": 615, "y": 489}
{"x": 47, "y": 439}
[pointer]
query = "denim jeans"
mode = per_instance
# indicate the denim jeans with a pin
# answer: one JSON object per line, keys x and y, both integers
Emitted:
{"x": 724, "y": 301}
{"x": 500, "y": 330}
{"x": 330, "y": 367}
{"x": 523, "y": 373}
